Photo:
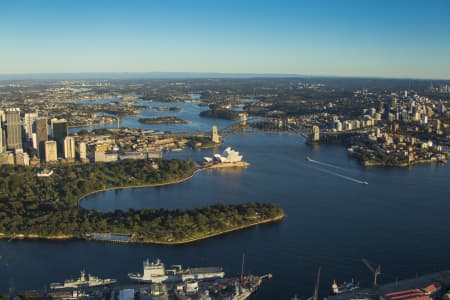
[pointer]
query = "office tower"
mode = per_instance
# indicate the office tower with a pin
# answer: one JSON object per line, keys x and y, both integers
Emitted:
{"x": 215, "y": 135}
{"x": 13, "y": 129}
{"x": 29, "y": 124}
{"x": 1, "y": 136}
{"x": 59, "y": 132}
{"x": 41, "y": 136}
{"x": 51, "y": 150}
{"x": 315, "y": 133}
{"x": 69, "y": 148}
{"x": 82, "y": 150}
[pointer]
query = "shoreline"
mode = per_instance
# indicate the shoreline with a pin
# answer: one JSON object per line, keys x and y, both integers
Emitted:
{"x": 210, "y": 235}
{"x": 65, "y": 237}
{"x": 140, "y": 186}
{"x": 402, "y": 165}
{"x": 241, "y": 164}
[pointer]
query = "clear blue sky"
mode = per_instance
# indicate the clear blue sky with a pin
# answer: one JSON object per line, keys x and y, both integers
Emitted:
{"x": 395, "y": 38}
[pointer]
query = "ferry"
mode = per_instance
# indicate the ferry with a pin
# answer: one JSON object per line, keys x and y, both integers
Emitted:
{"x": 156, "y": 272}
{"x": 83, "y": 281}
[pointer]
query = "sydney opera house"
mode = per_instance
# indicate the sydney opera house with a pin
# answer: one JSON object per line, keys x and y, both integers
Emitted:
{"x": 228, "y": 156}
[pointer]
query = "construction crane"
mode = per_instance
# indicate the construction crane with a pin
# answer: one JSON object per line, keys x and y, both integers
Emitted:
{"x": 316, "y": 287}
{"x": 375, "y": 272}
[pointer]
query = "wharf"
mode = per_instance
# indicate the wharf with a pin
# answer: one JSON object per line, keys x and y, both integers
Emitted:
{"x": 420, "y": 282}
{"x": 238, "y": 164}
{"x": 109, "y": 237}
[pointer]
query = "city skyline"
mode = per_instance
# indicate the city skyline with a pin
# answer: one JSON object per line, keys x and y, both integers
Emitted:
{"x": 405, "y": 39}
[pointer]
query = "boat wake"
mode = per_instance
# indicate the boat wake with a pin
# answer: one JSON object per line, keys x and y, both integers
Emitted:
{"x": 334, "y": 173}
{"x": 325, "y": 164}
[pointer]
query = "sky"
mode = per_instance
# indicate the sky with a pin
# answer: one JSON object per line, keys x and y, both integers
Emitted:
{"x": 361, "y": 38}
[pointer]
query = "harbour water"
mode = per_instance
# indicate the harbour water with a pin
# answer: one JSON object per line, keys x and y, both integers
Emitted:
{"x": 189, "y": 112}
{"x": 399, "y": 219}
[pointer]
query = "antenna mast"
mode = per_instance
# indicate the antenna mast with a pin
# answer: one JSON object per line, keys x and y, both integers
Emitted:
{"x": 242, "y": 267}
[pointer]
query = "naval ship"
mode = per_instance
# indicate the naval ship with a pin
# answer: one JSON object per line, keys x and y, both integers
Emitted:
{"x": 83, "y": 281}
{"x": 155, "y": 272}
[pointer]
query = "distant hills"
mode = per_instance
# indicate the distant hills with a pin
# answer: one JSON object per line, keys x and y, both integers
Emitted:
{"x": 183, "y": 76}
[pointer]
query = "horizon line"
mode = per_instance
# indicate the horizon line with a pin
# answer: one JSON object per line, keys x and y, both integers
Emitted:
{"x": 200, "y": 73}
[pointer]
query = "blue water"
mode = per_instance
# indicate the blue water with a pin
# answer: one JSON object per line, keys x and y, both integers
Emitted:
{"x": 399, "y": 219}
{"x": 189, "y": 112}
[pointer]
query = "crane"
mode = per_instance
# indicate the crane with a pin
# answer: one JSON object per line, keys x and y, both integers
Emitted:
{"x": 316, "y": 287}
{"x": 375, "y": 272}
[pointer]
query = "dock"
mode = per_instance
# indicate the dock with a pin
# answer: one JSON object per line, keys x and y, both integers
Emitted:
{"x": 109, "y": 237}
{"x": 420, "y": 283}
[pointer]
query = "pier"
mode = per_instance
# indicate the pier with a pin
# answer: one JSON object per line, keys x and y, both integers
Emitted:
{"x": 109, "y": 237}
{"x": 419, "y": 284}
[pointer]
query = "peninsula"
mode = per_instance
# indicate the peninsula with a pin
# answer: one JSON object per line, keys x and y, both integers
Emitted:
{"x": 48, "y": 208}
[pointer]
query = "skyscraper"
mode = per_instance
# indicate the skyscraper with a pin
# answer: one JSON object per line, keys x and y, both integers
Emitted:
{"x": 69, "y": 148}
{"x": 51, "y": 150}
{"x": 41, "y": 136}
{"x": 14, "y": 129}
{"x": 59, "y": 132}
{"x": 29, "y": 124}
